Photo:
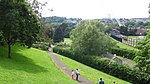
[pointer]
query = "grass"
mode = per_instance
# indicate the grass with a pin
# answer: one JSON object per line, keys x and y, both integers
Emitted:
{"x": 90, "y": 73}
{"x": 30, "y": 66}
{"x": 133, "y": 36}
{"x": 122, "y": 45}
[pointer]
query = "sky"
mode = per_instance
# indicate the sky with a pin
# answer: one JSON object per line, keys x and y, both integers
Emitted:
{"x": 96, "y": 9}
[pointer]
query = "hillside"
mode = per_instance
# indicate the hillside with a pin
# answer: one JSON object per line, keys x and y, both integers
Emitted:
{"x": 29, "y": 66}
{"x": 91, "y": 73}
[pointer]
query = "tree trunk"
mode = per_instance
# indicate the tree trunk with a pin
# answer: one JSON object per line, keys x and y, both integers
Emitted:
{"x": 9, "y": 51}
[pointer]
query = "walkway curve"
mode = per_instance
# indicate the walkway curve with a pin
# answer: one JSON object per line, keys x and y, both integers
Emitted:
{"x": 65, "y": 69}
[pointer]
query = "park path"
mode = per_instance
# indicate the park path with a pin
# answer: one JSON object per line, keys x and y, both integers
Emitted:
{"x": 120, "y": 59}
{"x": 65, "y": 69}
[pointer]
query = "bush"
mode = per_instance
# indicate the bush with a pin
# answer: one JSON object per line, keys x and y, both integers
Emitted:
{"x": 41, "y": 45}
{"x": 107, "y": 66}
{"x": 130, "y": 54}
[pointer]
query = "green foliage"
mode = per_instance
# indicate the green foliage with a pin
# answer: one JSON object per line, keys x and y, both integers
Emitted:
{"x": 110, "y": 26}
{"x": 143, "y": 63}
{"x": 91, "y": 73}
{"x": 107, "y": 66}
{"x": 67, "y": 32}
{"x": 1, "y": 39}
{"x": 143, "y": 58}
{"x": 126, "y": 53}
{"x": 125, "y": 30}
{"x": 18, "y": 23}
{"x": 58, "y": 35}
{"x": 46, "y": 32}
{"x": 89, "y": 38}
{"x": 41, "y": 45}
{"x": 30, "y": 66}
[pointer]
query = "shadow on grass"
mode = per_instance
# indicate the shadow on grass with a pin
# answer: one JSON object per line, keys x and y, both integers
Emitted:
{"x": 19, "y": 62}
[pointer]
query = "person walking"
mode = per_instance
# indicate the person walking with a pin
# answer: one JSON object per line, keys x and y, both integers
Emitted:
{"x": 101, "y": 81}
{"x": 72, "y": 74}
{"x": 77, "y": 74}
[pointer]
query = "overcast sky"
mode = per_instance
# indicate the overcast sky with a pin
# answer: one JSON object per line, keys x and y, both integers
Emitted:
{"x": 92, "y": 9}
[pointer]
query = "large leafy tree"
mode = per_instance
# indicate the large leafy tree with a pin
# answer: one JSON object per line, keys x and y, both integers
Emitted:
{"x": 58, "y": 35}
{"x": 18, "y": 23}
{"x": 143, "y": 58}
{"x": 46, "y": 32}
{"x": 89, "y": 38}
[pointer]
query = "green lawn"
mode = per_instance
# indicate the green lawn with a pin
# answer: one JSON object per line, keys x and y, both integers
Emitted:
{"x": 122, "y": 45}
{"x": 30, "y": 66}
{"x": 90, "y": 73}
{"x": 133, "y": 36}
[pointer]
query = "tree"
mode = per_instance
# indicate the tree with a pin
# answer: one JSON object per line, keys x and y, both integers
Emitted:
{"x": 1, "y": 38}
{"x": 18, "y": 23}
{"x": 123, "y": 30}
{"x": 46, "y": 32}
{"x": 143, "y": 58}
{"x": 67, "y": 32}
{"x": 37, "y": 7}
{"x": 58, "y": 35}
{"x": 89, "y": 38}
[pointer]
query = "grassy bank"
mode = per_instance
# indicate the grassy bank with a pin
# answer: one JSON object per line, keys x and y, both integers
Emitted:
{"x": 29, "y": 66}
{"x": 90, "y": 73}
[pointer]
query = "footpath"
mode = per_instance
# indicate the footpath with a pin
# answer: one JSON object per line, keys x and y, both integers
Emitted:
{"x": 66, "y": 70}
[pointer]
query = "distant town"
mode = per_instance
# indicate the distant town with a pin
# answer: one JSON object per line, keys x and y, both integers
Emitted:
{"x": 120, "y": 21}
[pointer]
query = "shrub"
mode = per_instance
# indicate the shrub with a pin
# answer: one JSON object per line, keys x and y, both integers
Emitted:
{"x": 107, "y": 66}
{"x": 41, "y": 45}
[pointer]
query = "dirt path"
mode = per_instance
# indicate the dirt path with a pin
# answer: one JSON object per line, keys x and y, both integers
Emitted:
{"x": 120, "y": 59}
{"x": 65, "y": 69}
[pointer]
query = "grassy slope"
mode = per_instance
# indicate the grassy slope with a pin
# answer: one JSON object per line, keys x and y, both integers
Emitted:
{"x": 133, "y": 36}
{"x": 121, "y": 45}
{"x": 90, "y": 73}
{"x": 29, "y": 66}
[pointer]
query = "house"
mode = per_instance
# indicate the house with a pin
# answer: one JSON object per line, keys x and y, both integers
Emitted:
{"x": 140, "y": 31}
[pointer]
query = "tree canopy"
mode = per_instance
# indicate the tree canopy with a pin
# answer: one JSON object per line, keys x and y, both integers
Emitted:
{"x": 143, "y": 58}
{"x": 89, "y": 38}
{"x": 18, "y": 23}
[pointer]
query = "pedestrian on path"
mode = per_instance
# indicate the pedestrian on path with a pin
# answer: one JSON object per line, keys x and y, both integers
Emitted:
{"x": 77, "y": 74}
{"x": 72, "y": 74}
{"x": 101, "y": 81}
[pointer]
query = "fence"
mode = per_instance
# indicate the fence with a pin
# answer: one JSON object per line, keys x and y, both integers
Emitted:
{"x": 130, "y": 41}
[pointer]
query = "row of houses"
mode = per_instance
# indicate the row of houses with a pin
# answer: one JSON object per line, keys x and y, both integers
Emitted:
{"x": 125, "y": 20}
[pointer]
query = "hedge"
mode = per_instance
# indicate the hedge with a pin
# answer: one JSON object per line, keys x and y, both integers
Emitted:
{"x": 130, "y": 54}
{"x": 41, "y": 45}
{"x": 107, "y": 66}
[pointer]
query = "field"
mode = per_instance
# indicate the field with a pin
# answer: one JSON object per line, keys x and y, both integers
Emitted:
{"x": 133, "y": 36}
{"x": 30, "y": 66}
{"x": 121, "y": 45}
{"x": 90, "y": 73}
